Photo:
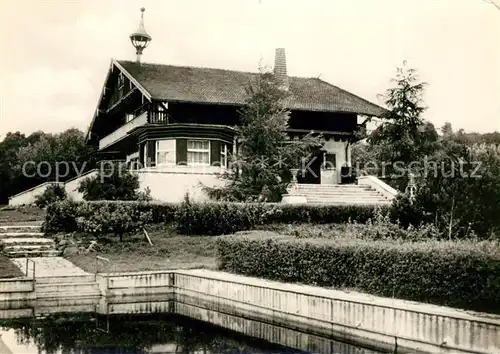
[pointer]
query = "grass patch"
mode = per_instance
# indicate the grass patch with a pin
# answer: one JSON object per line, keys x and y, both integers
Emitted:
{"x": 169, "y": 251}
{"x": 27, "y": 215}
{"x": 8, "y": 269}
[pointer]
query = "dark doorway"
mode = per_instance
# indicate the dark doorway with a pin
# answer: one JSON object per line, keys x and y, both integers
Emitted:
{"x": 311, "y": 173}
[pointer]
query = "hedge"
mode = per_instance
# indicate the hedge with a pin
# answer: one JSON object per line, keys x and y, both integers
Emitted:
{"x": 464, "y": 275}
{"x": 200, "y": 218}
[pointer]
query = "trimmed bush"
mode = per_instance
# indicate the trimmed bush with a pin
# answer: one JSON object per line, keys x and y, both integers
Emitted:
{"x": 325, "y": 214}
{"x": 219, "y": 218}
{"x": 461, "y": 274}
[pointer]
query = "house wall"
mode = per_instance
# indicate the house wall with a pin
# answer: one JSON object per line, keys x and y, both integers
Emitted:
{"x": 170, "y": 184}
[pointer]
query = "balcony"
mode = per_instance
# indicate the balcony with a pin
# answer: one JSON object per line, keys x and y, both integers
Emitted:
{"x": 122, "y": 132}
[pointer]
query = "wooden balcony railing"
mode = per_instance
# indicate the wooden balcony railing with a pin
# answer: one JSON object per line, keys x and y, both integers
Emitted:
{"x": 158, "y": 117}
{"x": 121, "y": 132}
{"x": 143, "y": 116}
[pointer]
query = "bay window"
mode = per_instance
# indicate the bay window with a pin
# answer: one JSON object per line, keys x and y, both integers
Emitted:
{"x": 165, "y": 152}
{"x": 198, "y": 153}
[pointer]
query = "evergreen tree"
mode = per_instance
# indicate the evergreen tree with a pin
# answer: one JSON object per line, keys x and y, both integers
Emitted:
{"x": 404, "y": 136}
{"x": 266, "y": 153}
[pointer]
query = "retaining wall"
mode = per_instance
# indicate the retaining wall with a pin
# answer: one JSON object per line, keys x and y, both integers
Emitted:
{"x": 216, "y": 297}
{"x": 16, "y": 289}
{"x": 351, "y": 316}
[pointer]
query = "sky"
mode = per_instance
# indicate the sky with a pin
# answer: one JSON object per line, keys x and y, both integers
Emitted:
{"x": 55, "y": 53}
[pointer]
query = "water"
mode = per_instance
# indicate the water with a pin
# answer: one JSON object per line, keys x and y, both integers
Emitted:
{"x": 89, "y": 333}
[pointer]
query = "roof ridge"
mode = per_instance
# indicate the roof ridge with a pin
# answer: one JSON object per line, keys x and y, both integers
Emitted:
{"x": 205, "y": 68}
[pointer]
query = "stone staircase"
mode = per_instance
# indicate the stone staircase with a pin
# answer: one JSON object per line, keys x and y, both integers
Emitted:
{"x": 341, "y": 194}
{"x": 58, "y": 278}
{"x": 67, "y": 286}
{"x": 26, "y": 240}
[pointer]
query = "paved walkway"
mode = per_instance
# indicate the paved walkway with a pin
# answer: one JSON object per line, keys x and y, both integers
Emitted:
{"x": 49, "y": 267}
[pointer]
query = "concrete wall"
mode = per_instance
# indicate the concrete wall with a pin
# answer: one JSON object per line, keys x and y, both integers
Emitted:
{"x": 136, "y": 283}
{"x": 223, "y": 299}
{"x": 289, "y": 337}
{"x": 16, "y": 289}
{"x": 28, "y": 196}
{"x": 352, "y": 316}
{"x": 170, "y": 184}
{"x": 72, "y": 185}
{"x": 378, "y": 185}
{"x": 167, "y": 184}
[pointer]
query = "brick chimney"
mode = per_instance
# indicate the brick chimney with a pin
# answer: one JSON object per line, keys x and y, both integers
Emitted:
{"x": 280, "y": 68}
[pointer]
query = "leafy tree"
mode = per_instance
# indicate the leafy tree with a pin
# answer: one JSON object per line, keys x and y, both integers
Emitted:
{"x": 55, "y": 157}
{"x": 459, "y": 191}
{"x": 28, "y": 161}
{"x": 112, "y": 183}
{"x": 266, "y": 153}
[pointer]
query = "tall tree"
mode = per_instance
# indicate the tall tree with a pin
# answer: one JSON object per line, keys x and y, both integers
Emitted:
{"x": 404, "y": 137}
{"x": 266, "y": 153}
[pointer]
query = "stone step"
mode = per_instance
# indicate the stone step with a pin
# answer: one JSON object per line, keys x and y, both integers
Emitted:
{"x": 337, "y": 194}
{"x": 12, "y": 241}
{"x": 65, "y": 290}
{"x": 28, "y": 248}
{"x": 328, "y": 196}
{"x": 34, "y": 253}
{"x": 350, "y": 202}
{"x": 335, "y": 188}
{"x": 331, "y": 185}
{"x": 69, "y": 279}
{"x": 21, "y": 234}
{"x": 338, "y": 190}
{"x": 342, "y": 195}
{"x": 19, "y": 229}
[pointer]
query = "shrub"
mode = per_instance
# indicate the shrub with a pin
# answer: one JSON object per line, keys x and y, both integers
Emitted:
{"x": 144, "y": 196}
{"x": 51, "y": 194}
{"x": 114, "y": 183}
{"x": 117, "y": 218}
{"x": 459, "y": 274}
{"x": 104, "y": 216}
{"x": 209, "y": 218}
{"x": 60, "y": 217}
{"x": 325, "y": 214}
{"x": 218, "y": 218}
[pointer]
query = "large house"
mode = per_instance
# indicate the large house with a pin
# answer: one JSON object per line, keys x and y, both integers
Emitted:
{"x": 175, "y": 124}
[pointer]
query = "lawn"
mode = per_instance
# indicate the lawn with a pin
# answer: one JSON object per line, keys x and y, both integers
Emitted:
{"x": 25, "y": 215}
{"x": 169, "y": 251}
{"x": 8, "y": 269}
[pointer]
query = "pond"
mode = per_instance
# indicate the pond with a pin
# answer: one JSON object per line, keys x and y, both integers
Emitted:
{"x": 90, "y": 333}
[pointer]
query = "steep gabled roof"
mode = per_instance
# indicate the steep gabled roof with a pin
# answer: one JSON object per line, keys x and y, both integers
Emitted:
{"x": 218, "y": 86}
